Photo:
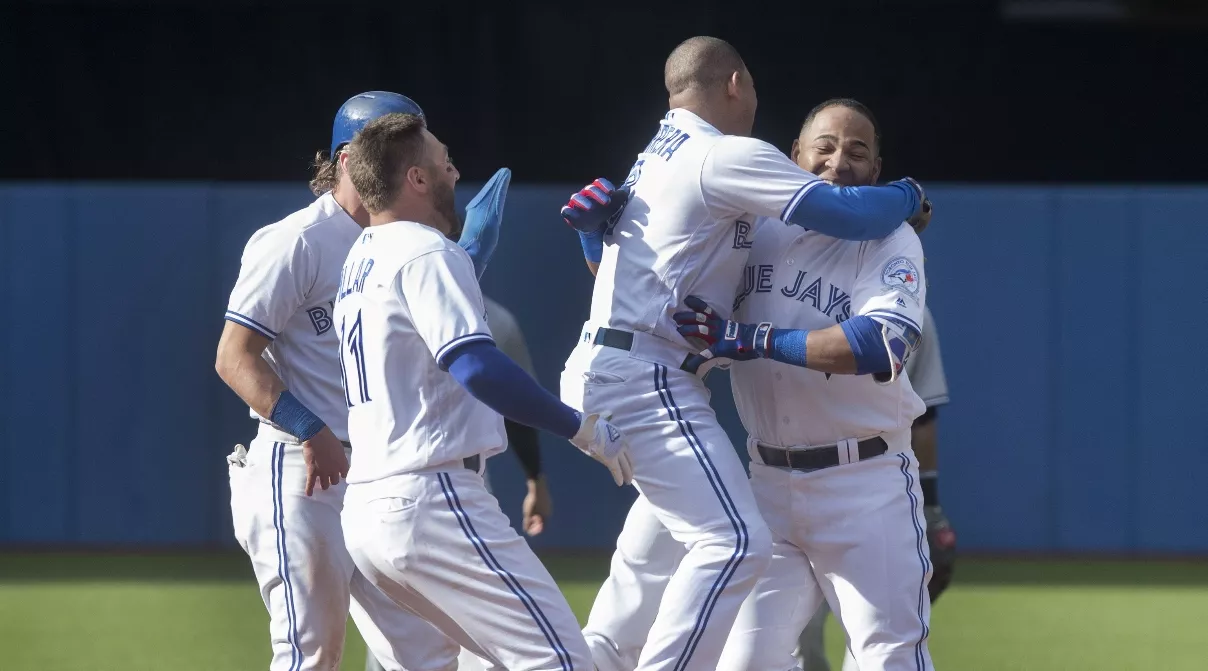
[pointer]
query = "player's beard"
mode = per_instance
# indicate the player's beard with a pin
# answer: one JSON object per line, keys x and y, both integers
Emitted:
{"x": 442, "y": 197}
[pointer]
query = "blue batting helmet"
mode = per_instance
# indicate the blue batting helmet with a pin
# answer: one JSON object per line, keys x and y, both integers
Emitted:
{"x": 363, "y": 108}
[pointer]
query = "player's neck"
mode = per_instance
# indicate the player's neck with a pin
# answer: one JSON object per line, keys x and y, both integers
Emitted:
{"x": 701, "y": 107}
{"x": 346, "y": 197}
{"x": 417, "y": 213}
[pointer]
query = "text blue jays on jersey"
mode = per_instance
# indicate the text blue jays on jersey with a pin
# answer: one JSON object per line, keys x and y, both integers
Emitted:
{"x": 833, "y": 302}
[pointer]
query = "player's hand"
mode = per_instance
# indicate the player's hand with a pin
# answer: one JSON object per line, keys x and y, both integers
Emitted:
{"x": 484, "y": 217}
{"x": 538, "y": 506}
{"x": 942, "y": 541}
{"x": 723, "y": 338}
{"x": 919, "y": 221}
{"x": 604, "y": 443}
{"x": 594, "y": 206}
{"x": 921, "y": 218}
{"x": 325, "y": 460}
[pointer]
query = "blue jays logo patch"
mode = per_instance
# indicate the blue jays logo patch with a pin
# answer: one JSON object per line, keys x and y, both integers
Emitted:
{"x": 901, "y": 275}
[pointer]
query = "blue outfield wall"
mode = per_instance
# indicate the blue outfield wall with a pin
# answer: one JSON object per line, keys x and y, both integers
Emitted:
{"x": 1071, "y": 321}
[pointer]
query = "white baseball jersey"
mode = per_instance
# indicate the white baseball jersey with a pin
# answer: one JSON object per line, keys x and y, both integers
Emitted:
{"x": 800, "y": 279}
{"x": 926, "y": 368}
{"x": 408, "y": 297}
{"x": 694, "y": 194}
{"x": 287, "y": 284}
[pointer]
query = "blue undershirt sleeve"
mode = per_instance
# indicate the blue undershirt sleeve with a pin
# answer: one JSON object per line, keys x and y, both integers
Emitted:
{"x": 864, "y": 335}
{"x": 855, "y": 212}
{"x": 491, "y": 377}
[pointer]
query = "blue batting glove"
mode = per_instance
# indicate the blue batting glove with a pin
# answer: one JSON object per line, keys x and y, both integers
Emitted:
{"x": 484, "y": 216}
{"x": 726, "y": 339}
{"x": 594, "y": 206}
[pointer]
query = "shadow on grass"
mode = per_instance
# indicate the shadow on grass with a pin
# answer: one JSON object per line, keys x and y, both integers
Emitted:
{"x": 227, "y": 566}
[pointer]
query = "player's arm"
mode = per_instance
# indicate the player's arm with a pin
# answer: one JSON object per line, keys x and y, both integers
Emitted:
{"x": 876, "y": 341}
{"x": 274, "y": 276}
{"x": 447, "y": 309}
{"x": 241, "y": 365}
{"x": 744, "y": 175}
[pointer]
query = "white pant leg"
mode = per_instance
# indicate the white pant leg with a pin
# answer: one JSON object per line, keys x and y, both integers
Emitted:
{"x": 785, "y": 597}
{"x": 294, "y": 543}
{"x": 439, "y": 544}
{"x": 466, "y": 660}
{"x": 869, "y": 553}
{"x": 628, "y": 602}
{"x": 811, "y": 646}
{"x": 686, "y": 467}
{"x": 306, "y": 576}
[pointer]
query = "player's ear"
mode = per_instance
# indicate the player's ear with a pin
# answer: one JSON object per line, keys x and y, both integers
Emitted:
{"x": 797, "y": 149}
{"x": 417, "y": 178}
{"x": 734, "y": 85}
{"x": 876, "y": 169}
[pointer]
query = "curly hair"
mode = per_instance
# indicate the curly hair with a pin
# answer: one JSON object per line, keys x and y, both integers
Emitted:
{"x": 326, "y": 173}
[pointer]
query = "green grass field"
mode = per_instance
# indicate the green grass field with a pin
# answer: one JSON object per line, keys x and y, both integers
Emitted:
{"x": 203, "y": 613}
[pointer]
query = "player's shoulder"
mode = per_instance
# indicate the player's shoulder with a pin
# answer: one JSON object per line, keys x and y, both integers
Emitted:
{"x": 903, "y": 240}
{"x": 322, "y": 219}
{"x": 405, "y": 241}
{"x": 740, "y": 148}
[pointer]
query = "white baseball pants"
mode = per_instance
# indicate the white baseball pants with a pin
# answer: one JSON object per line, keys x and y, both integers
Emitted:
{"x": 855, "y": 536}
{"x": 437, "y": 543}
{"x": 688, "y": 472}
{"x": 307, "y": 579}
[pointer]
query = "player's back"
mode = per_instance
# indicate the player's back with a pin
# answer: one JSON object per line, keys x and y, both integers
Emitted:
{"x": 407, "y": 297}
{"x": 667, "y": 243}
{"x": 686, "y": 230}
{"x": 287, "y": 285}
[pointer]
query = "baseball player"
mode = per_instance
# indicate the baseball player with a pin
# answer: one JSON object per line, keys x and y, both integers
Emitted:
{"x": 522, "y": 441}
{"x": 278, "y": 352}
{"x": 426, "y": 388}
{"x": 829, "y": 433}
{"x": 694, "y": 193}
{"x": 926, "y": 372}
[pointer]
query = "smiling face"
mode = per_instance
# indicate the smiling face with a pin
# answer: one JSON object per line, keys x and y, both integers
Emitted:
{"x": 840, "y": 145}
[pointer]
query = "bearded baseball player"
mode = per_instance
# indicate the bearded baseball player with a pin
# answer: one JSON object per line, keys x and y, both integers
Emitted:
{"x": 427, "y": 392}
{"x": 278, "y": 352}
{"x": 686, "y": 230}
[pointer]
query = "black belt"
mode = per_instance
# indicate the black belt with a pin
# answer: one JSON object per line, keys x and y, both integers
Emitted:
{"x": 618, "y": 339}
{"x": 818, "y": 457}
{"x": 472, "y": 463}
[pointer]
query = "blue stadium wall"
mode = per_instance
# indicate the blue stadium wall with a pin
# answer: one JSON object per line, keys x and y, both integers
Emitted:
{"x": 1072, "y": 322}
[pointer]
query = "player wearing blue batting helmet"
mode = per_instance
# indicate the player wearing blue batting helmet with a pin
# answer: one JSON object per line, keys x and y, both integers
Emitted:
{"x": 363, "y": 108}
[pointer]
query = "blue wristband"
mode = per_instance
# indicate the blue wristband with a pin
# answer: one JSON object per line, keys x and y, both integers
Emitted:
{"x": 291, "y": 415}
{"x": 593, "y": 245}
{"x": 788, "y": 346}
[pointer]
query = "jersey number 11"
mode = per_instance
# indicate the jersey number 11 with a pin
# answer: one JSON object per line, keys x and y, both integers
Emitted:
{"x": 352, "y": 342}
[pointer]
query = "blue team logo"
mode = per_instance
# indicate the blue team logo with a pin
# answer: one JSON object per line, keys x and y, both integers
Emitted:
{"x": 613, "y": 434}
{"x": 900, "y": 274}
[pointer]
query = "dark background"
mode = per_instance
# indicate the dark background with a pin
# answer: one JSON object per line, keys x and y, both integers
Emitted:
{"x": 970, "y": 91}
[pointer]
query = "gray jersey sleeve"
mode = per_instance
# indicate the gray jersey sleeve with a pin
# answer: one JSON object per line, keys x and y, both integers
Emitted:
{"x": 926, "y": 367}
{"x": 508, "y": 337}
